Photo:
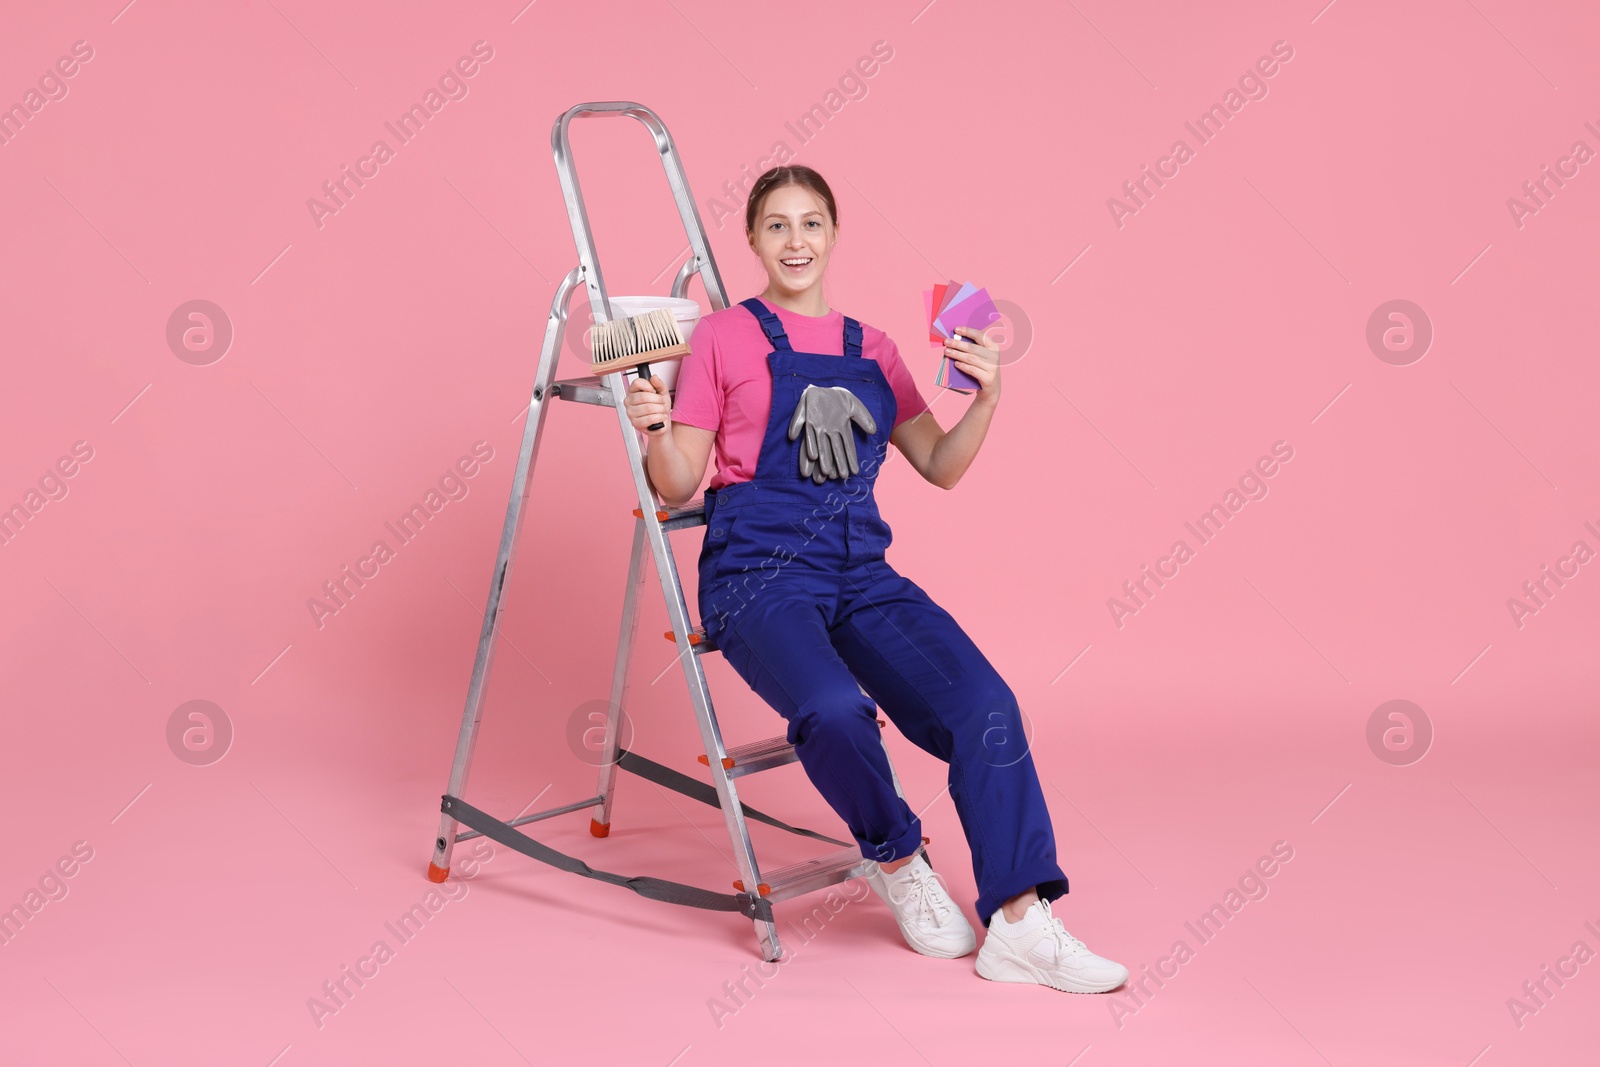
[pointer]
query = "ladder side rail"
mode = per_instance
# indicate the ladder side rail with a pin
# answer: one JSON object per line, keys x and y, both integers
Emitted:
{"x": 600, "y": 821}
{"x": 472, "y": 715}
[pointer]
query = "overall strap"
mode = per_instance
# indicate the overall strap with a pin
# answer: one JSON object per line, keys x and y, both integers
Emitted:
{"x": 852, "y": 337}
{"x": 769, "y": 324}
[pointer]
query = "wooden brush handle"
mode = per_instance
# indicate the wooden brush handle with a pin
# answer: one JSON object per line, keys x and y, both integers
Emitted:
{"x": 656, "y": 355}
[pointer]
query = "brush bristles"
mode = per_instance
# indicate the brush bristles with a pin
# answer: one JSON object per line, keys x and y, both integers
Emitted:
{"x": 620, "y": 338}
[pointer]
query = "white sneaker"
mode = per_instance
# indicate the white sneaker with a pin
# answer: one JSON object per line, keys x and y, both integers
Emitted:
{"x": 1039, "y": 949}
{"x": 928, "y": 919}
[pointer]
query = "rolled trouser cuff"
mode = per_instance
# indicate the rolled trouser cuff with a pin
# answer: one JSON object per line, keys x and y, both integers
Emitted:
{"x": 1046, "y": 875}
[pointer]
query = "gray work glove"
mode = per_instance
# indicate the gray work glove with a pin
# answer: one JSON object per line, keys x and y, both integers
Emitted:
{"x": 830, "y": 446}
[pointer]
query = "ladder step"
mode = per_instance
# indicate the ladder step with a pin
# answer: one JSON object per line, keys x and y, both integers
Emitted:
{"x": 681, "y": 517}
{"x": 698, "y": 641}
{"x": 809, "y": 875}
{"x": 585, "y": 390}
{"x": 760, "y": 755}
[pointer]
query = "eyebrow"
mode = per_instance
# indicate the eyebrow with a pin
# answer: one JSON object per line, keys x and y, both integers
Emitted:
{"x": 775, "y": 215}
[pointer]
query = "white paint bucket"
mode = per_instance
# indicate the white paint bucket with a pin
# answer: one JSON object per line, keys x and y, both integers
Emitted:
{"x": 685, "y": 312}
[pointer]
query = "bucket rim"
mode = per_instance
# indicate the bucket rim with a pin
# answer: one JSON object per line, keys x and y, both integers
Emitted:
{"x": 671, "y": 303}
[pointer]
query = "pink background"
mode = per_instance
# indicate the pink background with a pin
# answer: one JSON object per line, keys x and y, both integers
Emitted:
{"x": 1168, "y": 353}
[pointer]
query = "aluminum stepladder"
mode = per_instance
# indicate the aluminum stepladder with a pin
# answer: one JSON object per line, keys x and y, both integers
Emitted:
{"x": 652, "y": 523}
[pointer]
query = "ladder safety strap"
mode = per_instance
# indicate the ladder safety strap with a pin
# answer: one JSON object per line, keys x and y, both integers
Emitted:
{"x": 654, "y": 888}
{"x": 698, "y": 790}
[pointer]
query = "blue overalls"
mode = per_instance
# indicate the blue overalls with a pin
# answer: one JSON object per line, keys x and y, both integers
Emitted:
{"x": 795, "y": 591}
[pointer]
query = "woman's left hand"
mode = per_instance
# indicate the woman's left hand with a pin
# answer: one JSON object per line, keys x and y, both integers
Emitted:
{"x": 978, "y": 356}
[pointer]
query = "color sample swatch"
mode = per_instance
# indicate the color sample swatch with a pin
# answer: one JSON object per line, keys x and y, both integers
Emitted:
{"x": 950, "y": 305}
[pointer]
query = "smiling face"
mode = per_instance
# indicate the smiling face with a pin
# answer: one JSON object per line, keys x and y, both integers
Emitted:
{"x": 793, "y": 238}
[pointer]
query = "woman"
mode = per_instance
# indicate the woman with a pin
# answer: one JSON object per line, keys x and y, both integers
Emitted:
{"x": 801, "y": 403}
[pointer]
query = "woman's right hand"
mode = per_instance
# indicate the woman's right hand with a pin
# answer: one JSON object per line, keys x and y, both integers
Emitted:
{"x": 647, "y": 403}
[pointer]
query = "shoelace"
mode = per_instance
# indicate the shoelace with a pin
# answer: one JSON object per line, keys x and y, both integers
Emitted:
{"x": 1066, "y": 944}
{"x": 922, "y": 891}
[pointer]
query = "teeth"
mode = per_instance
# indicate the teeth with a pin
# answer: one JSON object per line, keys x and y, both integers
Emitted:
{"x": 795, "y": 262}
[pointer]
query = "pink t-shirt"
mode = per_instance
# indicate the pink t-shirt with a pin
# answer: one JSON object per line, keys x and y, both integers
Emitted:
{"x": 725, "y": 385}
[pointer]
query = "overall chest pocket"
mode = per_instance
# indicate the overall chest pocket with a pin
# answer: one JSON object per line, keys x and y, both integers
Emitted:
{"x": 834, "y": 377}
